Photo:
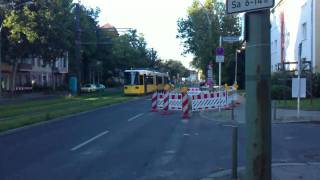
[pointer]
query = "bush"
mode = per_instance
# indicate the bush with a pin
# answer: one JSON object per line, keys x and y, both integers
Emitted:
{"x": 316, "y": 85}
{"x": 279, "y": 92}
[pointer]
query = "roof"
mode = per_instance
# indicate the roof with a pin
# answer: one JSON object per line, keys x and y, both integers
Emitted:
{"x": 107, "y": 26}
{"x": 110, "y": 28}
{"x": 145, "y": 71}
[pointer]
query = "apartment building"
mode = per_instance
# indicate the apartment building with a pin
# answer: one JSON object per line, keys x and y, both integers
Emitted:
{"x": 34, "y": 72}
{"x": 293, "y": 23}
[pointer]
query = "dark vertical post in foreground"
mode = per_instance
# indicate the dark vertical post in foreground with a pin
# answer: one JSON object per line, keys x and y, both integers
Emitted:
{"x": 78, "y": 45}
{"x": 258, "y": 108}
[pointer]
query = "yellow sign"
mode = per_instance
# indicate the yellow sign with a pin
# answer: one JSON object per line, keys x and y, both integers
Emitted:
{"x": 235, "y": 86}
{"x": 227, "y": 87}
{"x": 184, "y": 90}
{"x": 167, "y": 87}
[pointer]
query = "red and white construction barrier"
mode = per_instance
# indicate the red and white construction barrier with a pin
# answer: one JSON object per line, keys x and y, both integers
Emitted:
{"x": 166, "y": 102}
{"x": 185, "y": 106}
{"x": 23, "y": 88}
{"x": 154, "y": 102}
{"x": 174, "y": 101}
{"x": 207, "y": 101}
{"x": 194, "y": 91}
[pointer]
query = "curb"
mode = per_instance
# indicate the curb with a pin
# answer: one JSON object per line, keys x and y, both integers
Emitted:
{"x": 224, "y": 173}
{"x": 15, "y": 130}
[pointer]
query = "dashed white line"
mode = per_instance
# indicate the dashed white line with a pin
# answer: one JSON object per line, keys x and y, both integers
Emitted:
{"x": 89, "y": 140}
{"x": 135, "y": 117}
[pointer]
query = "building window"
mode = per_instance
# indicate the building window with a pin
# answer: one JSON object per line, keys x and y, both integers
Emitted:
{"x": 39, "y": 62}
{"x": 275, "y": 44}
{"x": 304, "y": 31}
{"x": 64, "y": 63}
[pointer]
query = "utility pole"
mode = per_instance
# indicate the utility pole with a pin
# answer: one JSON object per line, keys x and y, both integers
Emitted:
{"x": 258, "y": 109}
{"x": 1, "y": 59}
{"x": 78, "y": 45}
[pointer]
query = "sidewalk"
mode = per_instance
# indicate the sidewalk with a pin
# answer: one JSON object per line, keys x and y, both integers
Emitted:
{"x": 280, "y": 171}
{"x": 279, "y": 116}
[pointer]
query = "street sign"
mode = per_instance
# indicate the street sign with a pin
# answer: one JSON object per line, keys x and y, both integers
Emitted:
{"x": 236, "y": 6}
{"x": 295, "y": 87}
{"x": 219, "y": 55}
{"x": 231, "y": 39}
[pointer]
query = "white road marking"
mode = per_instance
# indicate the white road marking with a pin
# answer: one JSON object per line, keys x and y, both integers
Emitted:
{"x": 135, "y": 117}
{"x": 89, "y": 141}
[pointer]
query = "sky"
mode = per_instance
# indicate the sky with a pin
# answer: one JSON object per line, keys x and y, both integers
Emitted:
{"x": 155, "y": 19}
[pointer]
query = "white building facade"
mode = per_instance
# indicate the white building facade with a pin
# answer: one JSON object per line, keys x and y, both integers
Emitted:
{"x": 294, "y": 22}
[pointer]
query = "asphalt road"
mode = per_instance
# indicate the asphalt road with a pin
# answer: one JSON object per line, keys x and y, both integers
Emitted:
{"x": 127, "y": 141}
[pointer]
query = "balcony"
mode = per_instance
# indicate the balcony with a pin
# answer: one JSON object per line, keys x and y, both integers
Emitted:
{"x": 24, "y": 67}
{"x": 4, "y": 67}
{"x": 60, "y": 70}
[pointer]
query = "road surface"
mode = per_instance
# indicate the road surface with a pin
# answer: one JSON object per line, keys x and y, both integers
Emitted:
{"x": 126, "y": 141}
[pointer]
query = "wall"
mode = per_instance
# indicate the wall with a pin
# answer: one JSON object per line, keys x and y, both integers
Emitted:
{"x": 296, "y": 13}
{"x": 316, "y": 36}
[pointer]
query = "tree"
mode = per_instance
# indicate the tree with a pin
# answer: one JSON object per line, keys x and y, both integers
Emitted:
{"x": 174, "y": 68}
{"x": 196, "y": 38}
{"x": 46, "y": 25}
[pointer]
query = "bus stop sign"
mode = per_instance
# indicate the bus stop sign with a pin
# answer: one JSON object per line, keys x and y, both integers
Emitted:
{"x": 236, "y": 6}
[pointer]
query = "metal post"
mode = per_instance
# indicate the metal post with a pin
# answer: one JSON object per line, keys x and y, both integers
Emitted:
{"x": 234, "y": 152}
{"x": 220, "y": 45}
{"x": 299, "y": 81}
{"x": 258, "y": 109}
{"x": 232, "y": 110}
{"x": 275, "y": 110}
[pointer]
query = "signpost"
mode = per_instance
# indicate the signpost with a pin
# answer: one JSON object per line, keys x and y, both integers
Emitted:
{"x": 258, "y": 82}
{"x": 236, "y": 6}
{"x": 231, "y": 39}
{"x": 210, "y": 75}
{"x": 219, "y": 55}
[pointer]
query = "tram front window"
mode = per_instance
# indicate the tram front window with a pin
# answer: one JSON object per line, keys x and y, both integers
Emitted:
{"x": 131, "y": 78}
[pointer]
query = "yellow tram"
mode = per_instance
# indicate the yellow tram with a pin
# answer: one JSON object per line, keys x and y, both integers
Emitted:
{"x": 143, "y": 81}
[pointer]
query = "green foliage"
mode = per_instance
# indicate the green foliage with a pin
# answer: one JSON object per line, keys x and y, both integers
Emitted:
{"x": 47, "y": 29}
{"x": 197, "y": 39}
{"x": 280, "y": 92}
{"x": 174, "y": 68}
{"x": 316, "y": 85}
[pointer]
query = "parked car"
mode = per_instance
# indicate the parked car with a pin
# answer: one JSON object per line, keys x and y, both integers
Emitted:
{"x": 88, "y": 88}
{"x": 100, "y": 87}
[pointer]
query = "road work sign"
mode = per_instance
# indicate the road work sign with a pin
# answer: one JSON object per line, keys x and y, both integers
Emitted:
{"x": 236, "y": 6}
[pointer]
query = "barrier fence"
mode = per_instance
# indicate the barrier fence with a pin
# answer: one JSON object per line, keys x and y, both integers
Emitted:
{"x": 199, "y": 102}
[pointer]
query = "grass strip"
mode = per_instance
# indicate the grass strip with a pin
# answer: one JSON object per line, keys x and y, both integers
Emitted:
{"x": 45, "y": 110}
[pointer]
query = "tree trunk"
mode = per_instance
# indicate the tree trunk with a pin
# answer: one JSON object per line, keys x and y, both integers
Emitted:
{"x": 53, "y": 80}
{"x": 13, "y": 78}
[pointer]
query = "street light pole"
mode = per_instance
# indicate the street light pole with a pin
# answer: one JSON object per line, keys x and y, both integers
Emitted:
{"x": 236, "y": 67}
{"x": 209, "y": 34}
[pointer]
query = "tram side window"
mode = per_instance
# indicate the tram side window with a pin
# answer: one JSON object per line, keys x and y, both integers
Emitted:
{"x": 149, "y": 79}
{"x": 141, "y": 80}
{"x": 166, "y": 80}
{"x": 159, "y": 80}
